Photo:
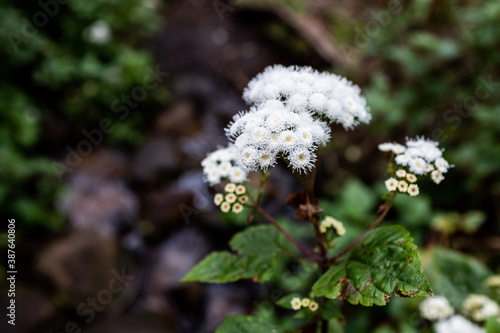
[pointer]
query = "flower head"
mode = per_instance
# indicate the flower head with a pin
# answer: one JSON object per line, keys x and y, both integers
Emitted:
{"x": 457, "y": 324}
{"x": 420, "y": 156}
{"x": 296, "y": 303}
{"x": 305, "y": 90}
{"x": 436, "y": 308}
{"x": 223, "y": 164}
{"x": 480, "y": 307}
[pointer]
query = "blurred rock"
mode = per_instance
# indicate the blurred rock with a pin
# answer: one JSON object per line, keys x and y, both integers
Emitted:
{"x": 171, "y": 261}
{"x": 105, "y": 163}
{"x": 98, "y": 205}
{"x": 32, "y": 307}
{"x": 157, "y": 154}
{"x": 78, "y": 265}
{"x": 179, "y": 119}
{"x": 222, "y": 301}
{"x": 132, "y": 324}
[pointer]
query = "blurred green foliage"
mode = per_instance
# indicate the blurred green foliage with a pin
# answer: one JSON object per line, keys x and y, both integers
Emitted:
{"x": 67, "y": 62}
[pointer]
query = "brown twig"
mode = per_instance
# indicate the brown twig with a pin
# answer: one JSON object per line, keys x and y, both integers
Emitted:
{"x": 387, "y": 207}
{"x": 286, "y": 234}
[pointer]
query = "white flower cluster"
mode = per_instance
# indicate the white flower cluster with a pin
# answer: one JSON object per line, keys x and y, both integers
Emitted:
{"x": 303, "y": 89}
{"x": 420, "y": 156}
{"x": 436, "y": 308}
{"x": 269, "y": 130}
{"x": 457, "y": 324}
{"x": 480, "y": 307}
{"x": 223, "y": 164}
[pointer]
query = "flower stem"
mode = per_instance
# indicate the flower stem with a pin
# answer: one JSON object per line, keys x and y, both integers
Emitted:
{"x": 287, "y": 235}
{"x": 387, "y": 206}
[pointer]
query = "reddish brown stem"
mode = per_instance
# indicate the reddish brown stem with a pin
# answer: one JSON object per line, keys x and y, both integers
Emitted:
{"x": 287, "y": 235}
{"x": 381, "y": 217}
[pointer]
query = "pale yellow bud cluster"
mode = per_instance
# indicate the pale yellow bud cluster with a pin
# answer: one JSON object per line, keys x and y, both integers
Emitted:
{"x": 234, "y": 199}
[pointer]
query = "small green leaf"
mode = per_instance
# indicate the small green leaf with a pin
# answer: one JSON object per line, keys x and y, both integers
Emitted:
{"x": 246, "y": 324}
{"x": 286, "y": 301}
{"x": 258, "y": 254}
{"x": 455, "y": 275}
{"x": 492, "y": 325}
{"x": 331, "y": 310}
{"x": 386, "y": 261}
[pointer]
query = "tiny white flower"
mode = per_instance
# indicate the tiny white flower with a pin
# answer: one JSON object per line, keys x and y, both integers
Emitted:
{"x": 313, "y": 306}
{"x": 411, "y": 178}
{"x": 402, "y": 159}
{"x": 385, "y": 147}
{"x": 237, "y": 175}
{"x": 229, "y": 188}
{"x": 398, "y": 149}
{"x": 413, "y": 190}
{"x": 391, "y": 184}
{"x": 218, "y": 198}
{"x": 296, "y": 303}
{"x": 224, "y": 168}
{"x": 442, "y": 165}
{"x": 417, "y": 165}
{"x": 402, "y": 186}
{"x": 225, "y": 207}
{"x": 437, "y": 177}
{"x": 237, "y": 208}
{"x": 301, "y": 159}
{"x": 400, "y": 173}
{"x": 306, "y": 302}
{"x": 230, "y": 198}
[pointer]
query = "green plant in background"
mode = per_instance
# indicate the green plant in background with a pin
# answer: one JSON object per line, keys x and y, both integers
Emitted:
{"x": 292, "y": 110}
{"x": 64, "y": 66}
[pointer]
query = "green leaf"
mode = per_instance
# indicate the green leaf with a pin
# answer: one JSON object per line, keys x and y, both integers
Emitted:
{"x": 217, "y": 267}
{"x": 246, "y": 324}
{"x": 258, "y": 254}
{"x": 455, "y": 275}
{"x": 386, "y": 261}
{"x": 492, "y": 325}
{"x": 330, "y": 310}
{"x": 286, "y": 301}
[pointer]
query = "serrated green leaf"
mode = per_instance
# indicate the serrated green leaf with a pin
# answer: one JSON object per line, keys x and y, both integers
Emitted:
{"x": 386, "y": 261}
{"x": 257, "y": 257}
{"x": 246, "y": 324}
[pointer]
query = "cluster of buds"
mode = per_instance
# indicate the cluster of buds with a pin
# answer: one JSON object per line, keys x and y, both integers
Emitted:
{"x": 404, "y": 183}
{"x": 298, "y": 303}
{"x": 233, "y": 200}
{"x": 329, "y": 222}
